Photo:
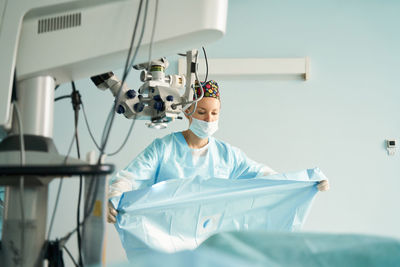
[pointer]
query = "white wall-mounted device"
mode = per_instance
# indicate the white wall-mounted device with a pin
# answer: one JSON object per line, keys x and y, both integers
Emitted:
{"x": 250, "y": 68}
{"x": 391, "y": 146}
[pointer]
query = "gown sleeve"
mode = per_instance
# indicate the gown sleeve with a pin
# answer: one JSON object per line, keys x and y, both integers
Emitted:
{"x": 140, "y": 173}
{"x": 245, "y": 168}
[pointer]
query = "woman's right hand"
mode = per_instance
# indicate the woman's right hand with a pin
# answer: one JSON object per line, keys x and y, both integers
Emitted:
{"x": 117, "y": 188}
{"x": 111, "y": 213}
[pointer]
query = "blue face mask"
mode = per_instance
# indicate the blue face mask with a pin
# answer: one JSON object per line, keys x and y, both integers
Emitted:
{"x": 203, "y": 129}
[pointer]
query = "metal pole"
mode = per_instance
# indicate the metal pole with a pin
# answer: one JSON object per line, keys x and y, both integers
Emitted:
{"x": 36, "y": 102}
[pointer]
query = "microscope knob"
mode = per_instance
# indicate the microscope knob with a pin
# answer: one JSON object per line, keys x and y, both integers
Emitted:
{"x": 120, "y": 109}
{"x": 131, "y": 94}
{"x": 138, "y": 107}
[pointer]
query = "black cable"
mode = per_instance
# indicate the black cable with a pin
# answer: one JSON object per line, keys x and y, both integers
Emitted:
{"x": 75, "y": 99}
{"x": 94, "y": 140}
{"x": 131, "y": 64}
{"x": 78, "y": 225}
{"x": 76, "y": 106}
{"x": 152, "y": 34}
{"x": 61, "y": 97}
{"x": 85, "y": 117}
{"x": 107, "y": 124}
{"x": 205, "y": 57}
{"x": 22, "y": 180}
{"x": 126, "y": 72}
{"x": 133, "y": 37}
{"x": 46, "y": 245}
{"x": 88, "y": 127}
{"x": 89, "y": 205}
{"x": 55, "y": 208}
{"x": 70, "y": 255}
{"x": 125, "y": 140}
{"x": 106, "y": 128}
{"x": 93, "y": 186}
{"x": 88, "y": 210}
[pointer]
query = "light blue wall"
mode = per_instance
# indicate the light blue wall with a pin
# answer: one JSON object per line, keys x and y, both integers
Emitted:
{"x": 338, "y": 120}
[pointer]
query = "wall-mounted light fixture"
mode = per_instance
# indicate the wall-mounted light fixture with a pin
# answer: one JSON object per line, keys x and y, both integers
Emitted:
{"x": 258, "y": 68}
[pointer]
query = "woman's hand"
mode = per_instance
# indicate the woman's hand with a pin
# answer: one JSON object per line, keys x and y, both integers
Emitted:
{"x": 323, "y": 185}
{"x": 111, "y": 213}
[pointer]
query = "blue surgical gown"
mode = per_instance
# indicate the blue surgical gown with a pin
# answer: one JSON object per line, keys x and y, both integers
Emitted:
{"x": 170, "y": 157}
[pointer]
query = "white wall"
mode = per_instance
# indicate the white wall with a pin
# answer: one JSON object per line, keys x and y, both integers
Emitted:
{"x": 338, "y": 120}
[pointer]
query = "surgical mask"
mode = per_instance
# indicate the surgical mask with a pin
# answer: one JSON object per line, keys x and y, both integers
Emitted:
{"x": 203, "y": 129}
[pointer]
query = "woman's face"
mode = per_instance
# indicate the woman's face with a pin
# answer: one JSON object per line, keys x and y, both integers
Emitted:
{"x": 207, "y": 110}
